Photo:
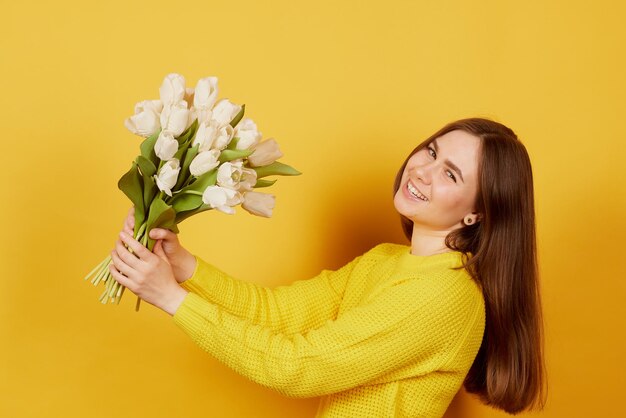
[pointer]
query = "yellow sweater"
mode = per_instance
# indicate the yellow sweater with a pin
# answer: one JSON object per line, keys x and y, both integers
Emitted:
{"x": 390, "y": 334}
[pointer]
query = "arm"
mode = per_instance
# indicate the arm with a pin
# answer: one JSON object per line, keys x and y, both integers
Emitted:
{"x": 407, "y": 326}
{"x": 302, "y": 305}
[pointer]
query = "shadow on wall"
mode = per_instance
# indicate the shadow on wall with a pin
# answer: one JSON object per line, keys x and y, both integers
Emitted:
{"x": 460, "y": 407}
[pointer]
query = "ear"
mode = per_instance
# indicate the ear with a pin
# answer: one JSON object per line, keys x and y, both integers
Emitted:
{"x": 471, "y": 218}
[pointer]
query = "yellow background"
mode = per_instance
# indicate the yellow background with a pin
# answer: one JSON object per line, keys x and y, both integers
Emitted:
{"x": 348, "y": 88}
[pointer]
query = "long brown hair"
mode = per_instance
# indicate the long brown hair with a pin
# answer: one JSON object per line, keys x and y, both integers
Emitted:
{"x": 500, "y": 254}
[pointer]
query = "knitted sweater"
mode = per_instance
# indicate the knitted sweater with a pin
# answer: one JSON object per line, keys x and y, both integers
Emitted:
{"x": 390, "y": 334}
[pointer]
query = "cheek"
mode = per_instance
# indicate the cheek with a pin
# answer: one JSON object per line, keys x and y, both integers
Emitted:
{"x": 457, "y": 201}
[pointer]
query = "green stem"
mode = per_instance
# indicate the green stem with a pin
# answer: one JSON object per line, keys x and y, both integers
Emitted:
{"x": 97, "y": 268}
{"x": 194, "y": 192}
{"x": 141, "y": 230}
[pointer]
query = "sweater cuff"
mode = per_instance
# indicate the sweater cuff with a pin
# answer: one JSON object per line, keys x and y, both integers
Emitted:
{"x": 194, "y": 283}
{"x": 193, "y": 313}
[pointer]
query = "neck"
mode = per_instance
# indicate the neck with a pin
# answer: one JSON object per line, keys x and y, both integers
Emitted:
{"x": 427, "y": 241}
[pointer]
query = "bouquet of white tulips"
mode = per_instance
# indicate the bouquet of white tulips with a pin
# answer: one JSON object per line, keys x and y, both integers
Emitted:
{"x": 198, "y": 154}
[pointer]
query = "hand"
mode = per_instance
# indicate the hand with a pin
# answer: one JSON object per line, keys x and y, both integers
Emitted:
{"x": 147, "y": 274}
{"x": 182, "y": 261}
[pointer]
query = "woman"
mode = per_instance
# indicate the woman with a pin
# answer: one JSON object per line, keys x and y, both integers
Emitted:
{"x": 399, "y": 329}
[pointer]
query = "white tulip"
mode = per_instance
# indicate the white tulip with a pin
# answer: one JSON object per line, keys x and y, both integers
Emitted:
{"x": 247, "y": 179}
{"x": 206, "y": 93}
{"x": 165, "y": 146}
{"x": 167, "y": 176}
{"x": 223, "y": 137}
{"x": 145, "y": 121}
{"x": 265, "y": 153}
{"x": 224, "y": 112}
{"x": 210, "y": 136}
{"x": 172, "y": 89}
{"x": 229, "y": 174}
{"x": 175, "y": 118}
{"x": 221, "y": 198}
{"x": 247, "y": 133}
{"x": 260, "y": 204}
{"x": 205, "y": 135}
{"x": 204, "y": 162}
{"x": 203, "y": 115}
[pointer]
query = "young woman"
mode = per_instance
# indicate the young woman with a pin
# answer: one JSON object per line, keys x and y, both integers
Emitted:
{"x": 399, "y": 329}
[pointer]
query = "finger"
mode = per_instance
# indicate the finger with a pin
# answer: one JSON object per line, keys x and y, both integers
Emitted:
{"x": 160, "y": 233}
{"x": 158, "y": 250}
{"x": 120, "y": 278}
{"x": 130, "y": 218}
{"x": 142, "y": 252}
{"x": 120, "y": 265}
{"x": 125, "y": 255}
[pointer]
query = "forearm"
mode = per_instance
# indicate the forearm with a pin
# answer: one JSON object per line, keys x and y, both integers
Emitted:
{"x": 305, "y": 304}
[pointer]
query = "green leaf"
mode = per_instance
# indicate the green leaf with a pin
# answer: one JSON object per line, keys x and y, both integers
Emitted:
{"x": 131, "y": 184}
{"x": 146, "y": 166}
{"x": 276, "y": 168}
{"x": 207, "y": 179}
{"x": 140, "y": 217}
{"x": 238, "y": 117}
{"x": 229, "y": 155}
{"x": 184, "y": 215}
{"x": 233, "y": 143}
{"x": 186, "y": 201}
{"x": 184, "y": 172}
{"x": 161, "y": 215}
{"x": 263, "y": 183}
{"x": 150, "y": 190}
{"x": 188, "y": 133}
{"x": 182, "y": 148}
{"x": 147, "y": 148}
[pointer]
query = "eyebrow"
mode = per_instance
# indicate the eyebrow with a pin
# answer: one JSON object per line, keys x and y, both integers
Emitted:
{"x": 448, "y": 162}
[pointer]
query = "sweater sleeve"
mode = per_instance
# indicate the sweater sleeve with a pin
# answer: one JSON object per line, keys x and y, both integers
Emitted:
{"x": 403, "y": 326}
{"x": 296, "y": 307}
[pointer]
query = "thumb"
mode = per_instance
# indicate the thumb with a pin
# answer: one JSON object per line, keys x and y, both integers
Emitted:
{"x": 158, "y": 250}
{"x": 159, "y": 233}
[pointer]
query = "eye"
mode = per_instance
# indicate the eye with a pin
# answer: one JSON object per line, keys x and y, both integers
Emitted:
{"x": 451, "y": 175}
{"x": 432, "y": 152}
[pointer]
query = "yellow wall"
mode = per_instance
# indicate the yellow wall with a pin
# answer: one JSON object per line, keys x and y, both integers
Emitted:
{"x": 347, "y": 88}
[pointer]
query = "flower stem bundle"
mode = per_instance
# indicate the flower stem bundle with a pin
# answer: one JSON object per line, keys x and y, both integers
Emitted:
{"x": 198, "y": 154}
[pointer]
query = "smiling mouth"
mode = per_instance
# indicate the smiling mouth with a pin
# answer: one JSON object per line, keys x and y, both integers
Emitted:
{"x": 413, "y": 191}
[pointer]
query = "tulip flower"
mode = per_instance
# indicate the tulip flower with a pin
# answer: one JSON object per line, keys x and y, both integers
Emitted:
{"x": 221, "y": 198}
{"x": 260, "y": 204}
{"x": 247, "y": 133}
{"x": 175, "y": 118}
{"x": 247, "y": 180}
{"x": 204, "y": 162}
{"x": 265, "y": 153}
{"x": 205, "y": 94}
{"x": 172, "y": 89}
{"x": 167, "y": 176}
{"x": 224, "y": 112}
{"x": 145, "y": 121}
{"x": 165, "y": 146}
{"x": 229, "y": 174}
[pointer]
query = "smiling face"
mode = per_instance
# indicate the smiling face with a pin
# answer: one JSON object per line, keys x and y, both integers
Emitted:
{"x": 440, "y": 182}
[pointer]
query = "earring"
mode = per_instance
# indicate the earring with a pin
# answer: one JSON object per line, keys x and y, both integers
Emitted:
{"x": 468, "y": 220}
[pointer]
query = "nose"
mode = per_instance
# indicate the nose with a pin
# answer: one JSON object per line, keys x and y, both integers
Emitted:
{"x": 424, "y": 172}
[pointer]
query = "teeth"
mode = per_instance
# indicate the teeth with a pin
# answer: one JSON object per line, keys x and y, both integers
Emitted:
{"x": 415, "y": 192}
